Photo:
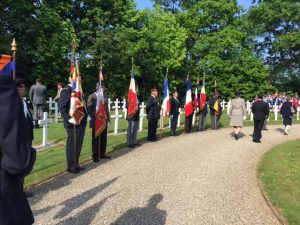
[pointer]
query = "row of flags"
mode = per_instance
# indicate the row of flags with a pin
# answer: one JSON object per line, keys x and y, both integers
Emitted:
{"x": 189, "y": 106}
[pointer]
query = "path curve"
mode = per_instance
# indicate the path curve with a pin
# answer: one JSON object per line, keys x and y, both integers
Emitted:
{"x": 200, "y": 178}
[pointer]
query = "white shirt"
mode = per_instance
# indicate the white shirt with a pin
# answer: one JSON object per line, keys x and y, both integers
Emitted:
{"x": 26, "y": 111}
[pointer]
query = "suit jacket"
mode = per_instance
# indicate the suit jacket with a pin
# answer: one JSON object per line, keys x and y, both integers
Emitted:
{"x": 91, "y": 108}
{"x": 38, "y": 94}
{"x": 211, "y": 106}
{"x": 16, "y": 157}
{"x": 29, "y": 120}
{"x": 153, "y": 109}
{"x": 285, "y": 109}
{"x": 174, "y": 110}
{"x": 64, "y": 108}
{"x": 260, "y": 110}
{"x": 238, "y": 107}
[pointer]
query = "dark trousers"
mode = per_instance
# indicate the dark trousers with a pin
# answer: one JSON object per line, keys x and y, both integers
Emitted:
{"x": 214, "y": 121}
{"x": 201, "y": 125}
{"x": 258, "y": 126}
{"x": 132, "y": 131}
{"x": 174, "y": 121}
{"x": 188, "y": 123}
{"x": 152, "y": 127}
{"x": 99, "y": 144}
{"x": 74, "y": 146}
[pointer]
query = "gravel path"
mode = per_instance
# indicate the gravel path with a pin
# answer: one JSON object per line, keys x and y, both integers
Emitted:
{"x": 200, "y": 178}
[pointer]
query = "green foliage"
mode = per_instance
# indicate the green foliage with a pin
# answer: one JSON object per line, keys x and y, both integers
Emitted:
{"x": 276, "y": 24}
{"x": 215, "y": 38}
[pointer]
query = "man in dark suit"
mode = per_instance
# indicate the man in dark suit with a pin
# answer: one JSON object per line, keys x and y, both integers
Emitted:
{"x": 74, "y": 146}
{"x": 21, "y": 83}
{"x": 260, "y": 110}
{"x": 98, "y": 144}
{"x": 38, "y": 97}
{"x": 16, "y": 156}
{"x": 153, "y": 114}
{"x": 174, "y": 112}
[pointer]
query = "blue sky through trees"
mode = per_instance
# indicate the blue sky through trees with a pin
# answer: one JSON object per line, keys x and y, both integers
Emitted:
{"x": 148, "y": 3}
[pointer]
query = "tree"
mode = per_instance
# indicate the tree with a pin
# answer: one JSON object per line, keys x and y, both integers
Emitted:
{"x": 276, "y": 24}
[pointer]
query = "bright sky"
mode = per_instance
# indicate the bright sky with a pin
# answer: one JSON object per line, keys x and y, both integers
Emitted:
{"x": 148, "y": 3}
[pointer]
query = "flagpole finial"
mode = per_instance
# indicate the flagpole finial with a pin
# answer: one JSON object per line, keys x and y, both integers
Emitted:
{"x": 14, "y": 45}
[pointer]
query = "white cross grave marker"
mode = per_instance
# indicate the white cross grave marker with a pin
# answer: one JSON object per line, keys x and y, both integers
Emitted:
{"x": 45, "y": 123}
{"x": 142, "y": 115}
{"x": 116, "y": 116}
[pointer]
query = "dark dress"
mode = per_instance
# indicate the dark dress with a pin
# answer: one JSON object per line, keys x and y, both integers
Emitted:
{"x": 286, "y": 113}
{"x": 16, "y": 157}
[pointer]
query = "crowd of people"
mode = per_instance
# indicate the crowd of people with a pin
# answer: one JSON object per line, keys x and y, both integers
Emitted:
{"x": 18, "y": 157}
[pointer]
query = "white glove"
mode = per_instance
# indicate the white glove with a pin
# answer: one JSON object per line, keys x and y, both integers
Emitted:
{"x": 108, "y": 124}
{"x": 245, "y": 117}
{"x": 72, "y": 121}
{"x": 171, "y": 116}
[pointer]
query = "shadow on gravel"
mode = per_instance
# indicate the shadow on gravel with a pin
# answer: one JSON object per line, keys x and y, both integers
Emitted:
{"x": 81, "y": 199}
{"x": 88, "y": 214}
{"x": 149, "y": 215}
{"x": 281, "y": 130}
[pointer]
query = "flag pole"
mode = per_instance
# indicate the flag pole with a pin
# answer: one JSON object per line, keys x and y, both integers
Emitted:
{"x": 215, "y": 110}
{"x": 99, "y": 90}
{"x": 74, "y": 126}
{"x": 14, "y": 49}
{"x": 162, "y": 112}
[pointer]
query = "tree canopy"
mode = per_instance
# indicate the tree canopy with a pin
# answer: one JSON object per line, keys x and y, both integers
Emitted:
{"x": 254, "y": 50}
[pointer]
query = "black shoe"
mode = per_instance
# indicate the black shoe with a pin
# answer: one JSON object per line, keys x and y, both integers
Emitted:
{"x": 105, "y": 157}
{"x": 73, "y": 171}
{"x": 80, "y": 168}
{"x": 137, "y": 145}
{"x": 256, "y": 141}
{"x": 130, "y": 146}
{"x": 28, "y": 194}
{"x": 96, "y": 160}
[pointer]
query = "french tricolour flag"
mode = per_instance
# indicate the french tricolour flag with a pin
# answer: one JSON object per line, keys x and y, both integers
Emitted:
{"x": 188, "y": 108}
{"x": 132, "y": 97}
{"x": 166, "y": 100}
{"x": 202, "y": 96}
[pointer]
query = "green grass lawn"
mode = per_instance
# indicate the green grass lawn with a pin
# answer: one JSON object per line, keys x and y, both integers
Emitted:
{"x": 279, "y": 172}
{"x": 52, "y": 161}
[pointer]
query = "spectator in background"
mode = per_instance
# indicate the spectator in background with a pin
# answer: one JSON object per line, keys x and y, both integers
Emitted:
{"x": 260, "y": 110}
{"x": 237, "y": 114}
{"x": 38, "y": 97}
{"x": 287, "y": 110}
{"x": 59, "y": 88}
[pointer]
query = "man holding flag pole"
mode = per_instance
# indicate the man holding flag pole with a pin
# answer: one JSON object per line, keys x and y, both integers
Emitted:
{"x": 215, "y": 109}
{"x": 202, "y": 107}
{"x": 166, "y": 103}
{"x": 98, "y": 110}
{"x": 72, "y": 109}
{"x": 133, "y": 111}
{"x": 188, "y": 108}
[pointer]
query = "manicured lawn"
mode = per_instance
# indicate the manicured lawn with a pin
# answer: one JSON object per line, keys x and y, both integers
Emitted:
{"x": 280, "y": 174}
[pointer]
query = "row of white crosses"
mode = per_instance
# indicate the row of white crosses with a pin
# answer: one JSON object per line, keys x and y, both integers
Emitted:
{"x": 120, "y": 111}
